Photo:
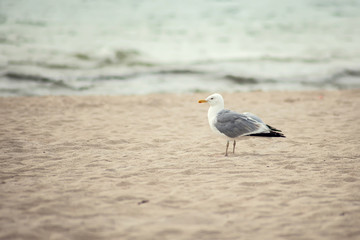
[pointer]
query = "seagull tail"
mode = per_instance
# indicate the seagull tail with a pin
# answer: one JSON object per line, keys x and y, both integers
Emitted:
{"x": 270, "y": 134}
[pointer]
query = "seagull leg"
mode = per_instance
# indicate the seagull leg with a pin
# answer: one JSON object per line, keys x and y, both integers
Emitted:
{"x": 227, "y": 146}
{"x": 234, "y": 146}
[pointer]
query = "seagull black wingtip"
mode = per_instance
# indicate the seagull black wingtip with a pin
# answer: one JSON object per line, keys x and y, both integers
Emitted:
{"x": 270, "y": 134}
{"x": 273, "y": 129}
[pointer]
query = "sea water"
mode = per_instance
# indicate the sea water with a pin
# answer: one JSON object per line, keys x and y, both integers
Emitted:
{"x": 110, "y": 47}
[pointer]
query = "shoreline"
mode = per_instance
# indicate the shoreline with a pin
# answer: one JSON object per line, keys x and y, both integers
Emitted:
{"x": 149, "y": 167}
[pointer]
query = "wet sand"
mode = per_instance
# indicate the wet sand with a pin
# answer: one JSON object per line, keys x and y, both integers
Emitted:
{"x": 149, "y": 167}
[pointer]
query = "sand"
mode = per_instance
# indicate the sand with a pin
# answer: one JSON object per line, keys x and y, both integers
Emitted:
{"x": 148, "y": 167}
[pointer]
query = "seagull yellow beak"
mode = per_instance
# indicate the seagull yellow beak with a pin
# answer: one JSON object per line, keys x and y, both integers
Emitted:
{"x": 202, "y": 101}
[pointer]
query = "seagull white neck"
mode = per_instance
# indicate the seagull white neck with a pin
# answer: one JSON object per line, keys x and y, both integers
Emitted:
{"x": 213, "y": 111}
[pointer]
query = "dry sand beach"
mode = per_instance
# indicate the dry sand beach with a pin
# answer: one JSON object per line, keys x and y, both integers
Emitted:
{"x": 149, "y": 167}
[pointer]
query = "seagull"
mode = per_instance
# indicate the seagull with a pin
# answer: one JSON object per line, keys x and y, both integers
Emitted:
{"x": 234, "y": 125}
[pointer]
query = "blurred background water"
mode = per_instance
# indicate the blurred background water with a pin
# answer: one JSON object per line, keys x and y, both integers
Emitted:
{"x": 110, "y": 47}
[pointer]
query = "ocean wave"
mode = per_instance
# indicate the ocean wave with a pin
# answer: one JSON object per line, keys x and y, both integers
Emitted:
{"x": 58, "y": 83}
{"x": 82, "y": 82}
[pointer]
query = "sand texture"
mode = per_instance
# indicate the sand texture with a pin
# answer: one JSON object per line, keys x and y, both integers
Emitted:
{"x": 149, "y": 167}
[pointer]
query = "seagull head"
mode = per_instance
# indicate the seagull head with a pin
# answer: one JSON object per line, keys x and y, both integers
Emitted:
{"x": 214, "y": 100}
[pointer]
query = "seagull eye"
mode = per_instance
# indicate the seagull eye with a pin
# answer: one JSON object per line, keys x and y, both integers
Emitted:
{"x": 212, "y": 98}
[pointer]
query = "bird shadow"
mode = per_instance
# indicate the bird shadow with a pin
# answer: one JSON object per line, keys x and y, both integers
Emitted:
{"x": 245, "y": 155}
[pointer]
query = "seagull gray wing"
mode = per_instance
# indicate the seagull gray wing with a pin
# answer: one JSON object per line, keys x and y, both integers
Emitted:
{"x": 253, "y": 116}
{"x": 256, "y": 118}
{"x": 234, "y": 124}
